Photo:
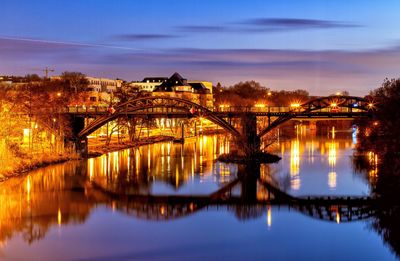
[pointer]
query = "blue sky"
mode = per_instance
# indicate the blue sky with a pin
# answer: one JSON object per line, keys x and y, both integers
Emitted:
{"x": 320, "y": 46}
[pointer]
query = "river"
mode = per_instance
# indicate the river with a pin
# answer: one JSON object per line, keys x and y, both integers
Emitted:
{"x": 75, "y": 211}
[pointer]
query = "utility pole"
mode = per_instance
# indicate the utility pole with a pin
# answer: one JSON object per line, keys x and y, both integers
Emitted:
{"x": 46, "y": 71}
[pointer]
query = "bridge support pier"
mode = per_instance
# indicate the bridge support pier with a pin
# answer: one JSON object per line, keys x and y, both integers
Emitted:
{"x": 251, "y": 141}
{"x": 81, "y": 145}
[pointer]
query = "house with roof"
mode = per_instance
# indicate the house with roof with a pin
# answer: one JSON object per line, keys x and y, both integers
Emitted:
{"x": 196, "y": 91}
{"x": 148, "y": 84}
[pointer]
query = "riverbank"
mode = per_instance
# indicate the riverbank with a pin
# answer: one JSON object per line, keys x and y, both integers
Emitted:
{"x": 98, "y": 150}
{"x": 20, "y": 166}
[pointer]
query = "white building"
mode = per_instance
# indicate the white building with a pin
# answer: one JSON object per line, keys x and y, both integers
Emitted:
{"x": 103, "y": 84}
{"x": 148, "y": 84}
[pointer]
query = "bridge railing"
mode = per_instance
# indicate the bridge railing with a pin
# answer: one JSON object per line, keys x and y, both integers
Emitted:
{"x": 232, "y": 109}
{"x": 277, "y": 109}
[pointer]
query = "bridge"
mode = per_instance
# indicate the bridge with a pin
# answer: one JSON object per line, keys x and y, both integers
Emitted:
{"x": 170, "y": 107}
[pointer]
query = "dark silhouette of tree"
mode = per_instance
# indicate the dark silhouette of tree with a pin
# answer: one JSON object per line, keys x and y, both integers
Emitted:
{"x": 380, "y": 136}
{"x": 32, "y": 78}
{"x": 75, "y": 80}
{"x": 245, "y": 93}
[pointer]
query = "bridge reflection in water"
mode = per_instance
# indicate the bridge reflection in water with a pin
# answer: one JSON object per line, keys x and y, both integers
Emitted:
{"x": 158, "y": 182}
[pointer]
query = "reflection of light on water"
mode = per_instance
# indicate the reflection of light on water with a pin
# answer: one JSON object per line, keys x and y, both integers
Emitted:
{"x": 332, "y": 153}
{"x": 103, "y": 164}
{"x": 108, "y": 165}
{"x": 148, "y": 158}
{"x": 269, "y": 216}
{"x": 91, "y": 168}
{"x": 332, "y": 180}
{"x": 373, "y": 162}
{"x": 172, "y": 163}
{"x": 295, "y": 157}
{"x": 224, "y": 172}
{"x": 28, "y": 188}
{"x": 295, "y": 164}
{"x": 201, "y": 147}
{"x": 337, "y": 217}
{"x": 59, "y": 217}
{"x": 137, "y": 161}
{"x": 168, "y": 165}
{"x": 215, "y": 147}
{"x": 295, "y": 183}
{"x": 115, "y": 162}
{"x": 182, "y": 162}
{"x": 176, "y": 178}
{"x": 332, "y": 157}
{"x": 128, "y": 163}
{"x": 192, "y": 167}
{"x": 221, "y": 148}
{"x": 311, "y": 149}
{"x": 354, "y": 135}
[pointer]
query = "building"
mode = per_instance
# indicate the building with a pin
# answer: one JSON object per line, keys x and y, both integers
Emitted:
{"x": 103, "y": 84}
{"x": 99, "y": 91}
{"x": 196, "y": 91}
{"x": 6, "y": 80}
{"x": 148, "y": 84}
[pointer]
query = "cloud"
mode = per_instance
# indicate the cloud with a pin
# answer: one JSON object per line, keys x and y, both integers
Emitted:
{"x": 275, "y": 24}
{"x": 202, "y": 28}
{"x": 267, "y": 25}
{"x": 320, "y": 72}
{"x": 144, "y": 37}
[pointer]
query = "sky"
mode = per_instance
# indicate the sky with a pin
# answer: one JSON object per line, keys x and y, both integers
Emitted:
{"x": 320, "y": 46}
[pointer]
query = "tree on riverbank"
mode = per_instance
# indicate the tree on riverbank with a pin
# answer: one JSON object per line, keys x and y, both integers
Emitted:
{"x": 250, "y": 93}
{"x": 379, "y": 140}
{"x": 33, "y": 124}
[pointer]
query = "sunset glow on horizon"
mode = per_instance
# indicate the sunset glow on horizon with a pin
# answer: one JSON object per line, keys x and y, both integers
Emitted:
{"x": 320, "y": 46}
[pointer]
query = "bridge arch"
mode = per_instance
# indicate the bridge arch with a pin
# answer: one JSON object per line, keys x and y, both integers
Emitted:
{"x": 147, "y": 103}
{"x": 329, "y": 103}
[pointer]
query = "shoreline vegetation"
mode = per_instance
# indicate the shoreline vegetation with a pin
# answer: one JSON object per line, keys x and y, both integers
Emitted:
{"x": 42, "y": 160}
{"x": 34, "y": 162}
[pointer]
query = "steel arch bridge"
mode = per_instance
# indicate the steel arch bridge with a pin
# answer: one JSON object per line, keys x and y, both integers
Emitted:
{"x": 323, "y": 107}
{"x": 162, "y": 103}
{"x": 349, "y": 106}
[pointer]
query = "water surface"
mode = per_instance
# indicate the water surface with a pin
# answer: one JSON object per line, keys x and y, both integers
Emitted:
{"x": 56, "y": 213}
